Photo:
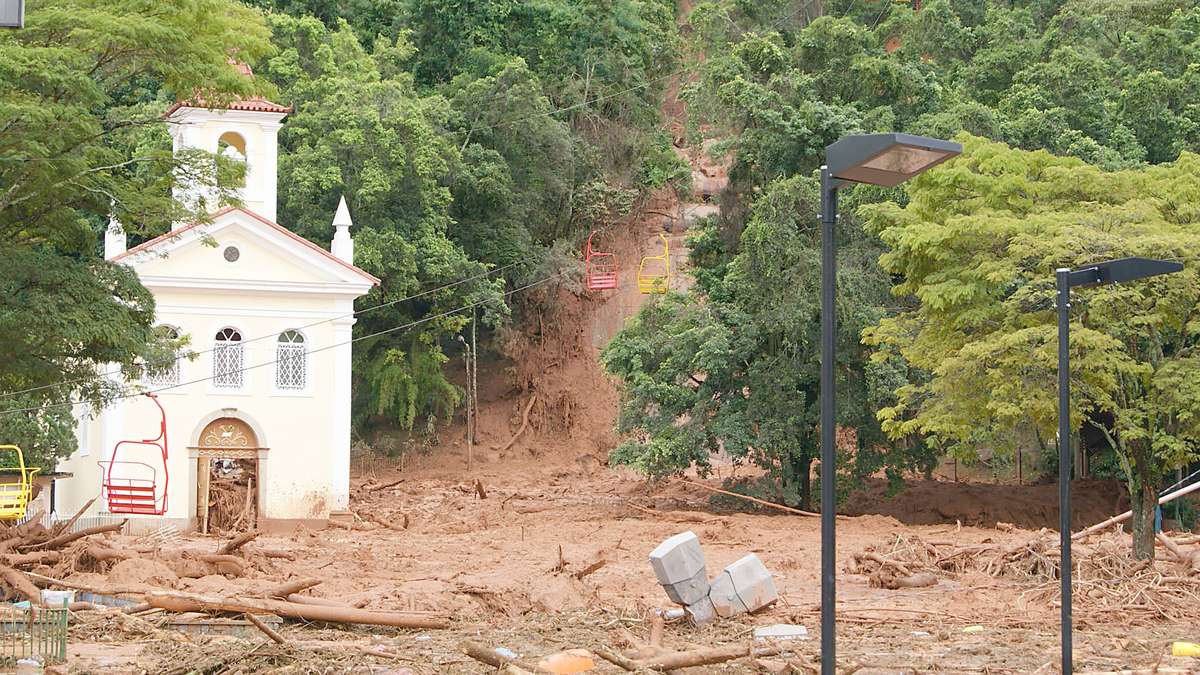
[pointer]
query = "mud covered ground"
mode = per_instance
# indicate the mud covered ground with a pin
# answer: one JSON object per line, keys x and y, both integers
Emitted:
{"x": 505, "y": 567}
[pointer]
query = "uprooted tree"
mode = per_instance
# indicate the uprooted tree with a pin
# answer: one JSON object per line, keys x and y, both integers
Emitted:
{"x": 976, "y": 249}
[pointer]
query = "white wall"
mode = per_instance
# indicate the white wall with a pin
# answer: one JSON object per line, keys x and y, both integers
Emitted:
{"x": 306, "y": 468}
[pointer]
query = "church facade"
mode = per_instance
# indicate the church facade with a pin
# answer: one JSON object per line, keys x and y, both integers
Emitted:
{"x": 260, "y": 397}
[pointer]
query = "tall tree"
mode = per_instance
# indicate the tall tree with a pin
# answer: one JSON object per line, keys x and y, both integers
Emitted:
{"x": 82, "y": 90}
{"x": 976, "y": 248}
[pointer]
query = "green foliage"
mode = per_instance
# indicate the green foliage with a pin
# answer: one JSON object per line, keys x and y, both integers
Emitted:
{"x": 82, "y": 90}
{"x": 361, "y": 130}
{"x": 976, "y": 248}
{"x": 735, "y": 367}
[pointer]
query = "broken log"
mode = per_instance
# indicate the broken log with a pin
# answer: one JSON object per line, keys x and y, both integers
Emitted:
{"x": 134, "y": 609}
{"x": 491, "y": 657}
{"x": 190, "y": 602}
{"x": 617, "y": 660}
{"x": 35, "y": 558}
{"x": 1185, "y": 558}
{"x": 68, "y": 537}
{"x": 479, "y": 491}
{"x": 292, "y": 587}
{"x": 16, "y": 580}
{"x": 381, "y": 522}
{"x": 1125, "y": 516}
{"x": 101, "y": 553}
{"x": 748, "y": 498}
{"x": 524, "y": 424}
{"x": 274, "y": 553}
{"x": 266, "y": 630}
{"x": 63, "y": 527}
{"x": 90, "y": 588}
{"x": 238, "y": 542}
{"x": 385, "y": 486}
{"x": 696, "y": 657}
{"x": 225, "y": 564}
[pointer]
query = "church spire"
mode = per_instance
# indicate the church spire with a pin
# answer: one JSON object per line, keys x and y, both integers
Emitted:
{"x": 343, "y": 244}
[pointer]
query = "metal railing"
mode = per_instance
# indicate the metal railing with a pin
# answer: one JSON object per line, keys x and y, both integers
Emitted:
{"x": 38, "y": 633}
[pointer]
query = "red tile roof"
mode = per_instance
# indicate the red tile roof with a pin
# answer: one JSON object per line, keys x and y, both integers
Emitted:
{"x": 147, "y": 245}
{"x": 252, "y": 104}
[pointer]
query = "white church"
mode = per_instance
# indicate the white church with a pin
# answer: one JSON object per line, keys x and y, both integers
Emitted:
{"x": 269, "y": 317}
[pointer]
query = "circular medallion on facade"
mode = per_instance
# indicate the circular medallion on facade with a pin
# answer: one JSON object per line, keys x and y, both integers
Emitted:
{"x": 232, "y": 253}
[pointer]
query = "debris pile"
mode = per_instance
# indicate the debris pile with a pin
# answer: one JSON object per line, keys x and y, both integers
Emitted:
{"x": 1107, "y": 579}
{"x": 745, "y": 586}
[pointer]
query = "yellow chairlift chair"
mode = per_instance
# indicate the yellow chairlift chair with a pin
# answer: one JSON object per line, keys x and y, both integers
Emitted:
{"x": 16, "y": 484}
{"x": 652, "y": 281}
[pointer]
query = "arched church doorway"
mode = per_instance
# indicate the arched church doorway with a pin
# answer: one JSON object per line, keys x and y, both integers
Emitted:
{"x": 228, "y": 474}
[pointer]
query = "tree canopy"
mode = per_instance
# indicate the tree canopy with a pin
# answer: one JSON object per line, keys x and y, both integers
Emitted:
{"x": 82, "y": 90}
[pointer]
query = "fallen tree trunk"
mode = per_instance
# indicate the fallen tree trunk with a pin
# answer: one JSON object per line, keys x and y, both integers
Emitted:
{"x": 1125, "y": 516}
{"x": 491, "y": 657}
{"x": 16, "y": 580}
{"x": 225, "y": 564}
{"x": 325, "y": 602}
{"x": 266, "y": 630}
{"x": 704, "y": 657}
{"x": 238, "y": 542}
{"x": 292, "y": 587}
{"x": 35, "y": 558}
{"x": 104, "y": 554}
{"x": 188, "y": 602}
{"x": 524, "y": 424}
{"x": 68, "y": 537}
{"x": 274, "y": 553}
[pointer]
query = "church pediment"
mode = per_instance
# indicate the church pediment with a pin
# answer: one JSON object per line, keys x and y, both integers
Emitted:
{"x": 241, "y": 250}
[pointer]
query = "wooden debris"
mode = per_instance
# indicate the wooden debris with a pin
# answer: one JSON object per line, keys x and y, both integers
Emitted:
{"x": 479, "y": 491}
{"x": 266, "y": 630}
{"x": 590, "y": 569}
{"x": 291, "y": 587}
{"x": 748, "y": 498}
{"x": 385, "y": 486}
{"x": 35, "y": 558}
{"x": 190, "y": 602}
{"x": 238, "y": 542}
{"x": 491, "y": 657}
{"x": 21, "y": 584}
{"x": 68, "y": 537}
{"x": 524, "y": 424}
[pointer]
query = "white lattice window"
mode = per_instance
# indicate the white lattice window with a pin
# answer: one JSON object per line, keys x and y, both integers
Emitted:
{"x": 291, "y": 361}
{"x": 228, "y": 359}
{"x": 170, "y": 376}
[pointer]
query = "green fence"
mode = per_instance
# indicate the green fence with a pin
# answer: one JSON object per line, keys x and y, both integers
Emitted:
{"x": 33, "y": 633}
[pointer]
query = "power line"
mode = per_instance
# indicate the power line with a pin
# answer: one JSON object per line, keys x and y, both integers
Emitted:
{"x": 190, "y": 354}
{"x": 385, "y": 331}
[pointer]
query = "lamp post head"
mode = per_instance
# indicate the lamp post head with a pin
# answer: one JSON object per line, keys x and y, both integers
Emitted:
{"x": 1122, "y": 270}
{"x": 886, "y": 159}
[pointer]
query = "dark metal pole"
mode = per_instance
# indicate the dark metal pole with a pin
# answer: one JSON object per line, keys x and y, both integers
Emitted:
{"x": 1063, "y": 277}
{"x": 828, "y": 424}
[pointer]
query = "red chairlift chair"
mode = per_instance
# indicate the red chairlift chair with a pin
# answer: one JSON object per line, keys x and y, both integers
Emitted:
{"x": 600, "y": 268}
{"x": 133, "y": 486}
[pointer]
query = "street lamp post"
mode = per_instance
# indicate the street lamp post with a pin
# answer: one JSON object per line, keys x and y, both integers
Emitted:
{"x": 1100, "y": 274}
{"x": 875, "y": 159}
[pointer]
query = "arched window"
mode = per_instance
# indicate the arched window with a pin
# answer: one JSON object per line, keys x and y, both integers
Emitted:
{"x": 170, "y": 376}
{"x": 291, "y": 361}
{"x": 231, "y": 145}
{"x": 228, "y": 359}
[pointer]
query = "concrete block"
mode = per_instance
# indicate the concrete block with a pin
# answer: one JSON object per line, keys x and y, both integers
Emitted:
{"x": 752, "y": 583}
{"x": 701, "y": 611}
{"x": 690, "y": 590}
{"x": 724, "y": 598}
{"x": 677, "y": 559}
{"x": 781, "y": 631}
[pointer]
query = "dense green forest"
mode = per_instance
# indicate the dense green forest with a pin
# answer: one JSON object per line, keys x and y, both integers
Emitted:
{"x": 491, "y": 136}
{"x": 946, "y": 341}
